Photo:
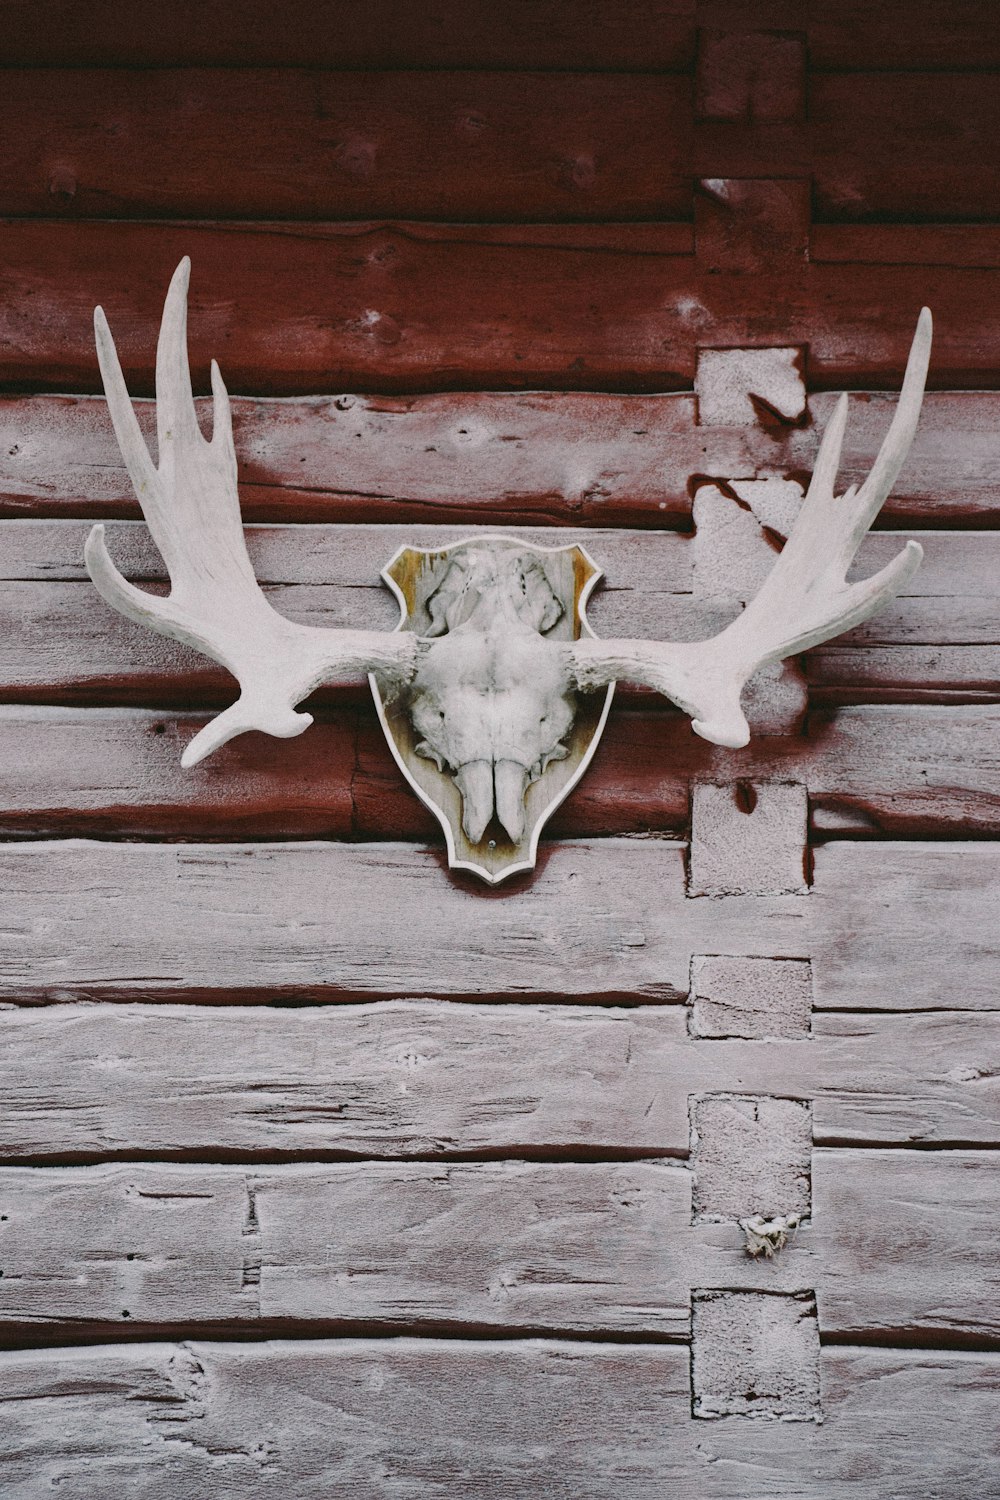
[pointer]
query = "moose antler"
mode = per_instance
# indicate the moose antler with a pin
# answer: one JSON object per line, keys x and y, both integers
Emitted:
{"x": 215, "y": 604}
{"x": 805, "y": 599}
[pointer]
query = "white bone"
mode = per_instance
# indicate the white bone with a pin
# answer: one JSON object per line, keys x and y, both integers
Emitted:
{"x": 806, "y": 598}
{"x": 215, "y": 604}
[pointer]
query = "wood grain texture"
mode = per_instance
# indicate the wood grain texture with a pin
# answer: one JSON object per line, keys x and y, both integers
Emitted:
{"x": 594, "y": 35}
{"x": 59, "y": 643}
{"x": 500, "y": 1246}
{"x": 919, "y": 1263}
{"x": 413, "y": 306}
{"x": 561, "y": 458}
{"x": 336, "y": 145}
{"x": 852, "y": 34}
{"x": 383, "y": 1418}
{"x": 900, "y": 1246}
{"x": 417, "y": 1078}
{"x": 934, "y": 132}
{"x": 967, "y": 246}
{"x": 474, "y": 145}
{"x": 871, "y": 771}
{"x": 885, "y": 924}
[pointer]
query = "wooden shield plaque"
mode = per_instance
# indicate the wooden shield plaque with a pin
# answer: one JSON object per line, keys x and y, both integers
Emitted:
{"x": 417, "y": 576}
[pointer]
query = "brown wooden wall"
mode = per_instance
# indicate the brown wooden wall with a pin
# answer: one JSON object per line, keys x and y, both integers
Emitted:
{"x": 472, "y": 1230}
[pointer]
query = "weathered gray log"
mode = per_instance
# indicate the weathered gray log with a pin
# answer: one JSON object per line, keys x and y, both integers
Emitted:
{"x": 874, "y": 770}
{"x": 402, "y": 1078}
{"x": 485, "y": 1245}
{"x": 60, "y": 643}
{"x": 886, "y": 925}
{"x": 901, "y": 1246}
{"x": 473, "y": 456}
{"x": 908, "y": 1245}
{"x": 386, "y": 1418}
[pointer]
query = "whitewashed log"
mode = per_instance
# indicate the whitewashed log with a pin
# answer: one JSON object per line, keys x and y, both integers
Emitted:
{"x": 502, "y": 1246}
{"x": 900, "y": 1248}
{"x": 886, "y": 926}
{"x": 371, "y": 1420}
{"x": 896, "y": 1426}
{"x": 909, "y": 1245}
{"x": 755, "y": 1356}
{"x": 402, "y": 1078}
{"x": 902, "y": 927}
{"x": 470, "y": 456}
{"x": 957, "y": 564}
{"x": 570, "y": 1421}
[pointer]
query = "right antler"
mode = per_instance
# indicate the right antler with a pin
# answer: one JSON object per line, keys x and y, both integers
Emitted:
{"x": 191, "y": 505}
{"x": 805, "y": 599}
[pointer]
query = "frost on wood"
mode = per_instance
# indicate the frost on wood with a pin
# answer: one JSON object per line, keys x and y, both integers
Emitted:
{"x": 767, "y": 1236}
{"x": 750, "y": 997}
{"x": 734, "y": 385}
{"x": 748, "y": 839}
{"x": 751, "y": 1156}
{"x": 755, "y": 1354}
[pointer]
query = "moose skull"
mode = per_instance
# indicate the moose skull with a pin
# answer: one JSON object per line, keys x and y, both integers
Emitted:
{"x": 492, "y": 699}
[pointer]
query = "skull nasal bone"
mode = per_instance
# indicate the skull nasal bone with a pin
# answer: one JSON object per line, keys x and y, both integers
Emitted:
{"x": 475, "y": 782}
{"x": 492, "y": 789}
{"x": 510, "y": 782}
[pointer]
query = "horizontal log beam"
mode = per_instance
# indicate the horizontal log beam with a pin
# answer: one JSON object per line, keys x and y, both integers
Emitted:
{"x": 638, "y": 34}
{"x": 596, "y": 34}
{"x": 499, "y": 1416}
{"x": 412, "y": 306}
{"x": 409, "y": 1078}
{"x": 480, "y": 145}
{"x": 895, "y": 771}
{"x": 561, "y": 458}
{"x": 463, "y": 146}
{"x": 901, "y": 1245}
{"x": 608, "y": 920}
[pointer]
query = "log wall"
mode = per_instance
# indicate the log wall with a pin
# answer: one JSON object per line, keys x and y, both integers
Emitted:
{"x": 325, "y": 1172}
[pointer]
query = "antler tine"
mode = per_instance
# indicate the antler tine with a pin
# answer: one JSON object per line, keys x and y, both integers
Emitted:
{"x": 805, "y": 599}
{"x": 858, "y": 506}
{"x": 191, "y": 505}
{"x": 141, "y": 469}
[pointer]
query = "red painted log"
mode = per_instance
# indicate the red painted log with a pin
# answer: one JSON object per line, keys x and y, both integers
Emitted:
{"x": 596, "y": 34}
{"x": 291, "y": 308}
{"x": 481, "y": 146}
{"x": 637, "y": 34}
{"x": 329, "y": 145}
{"x": 857, "y": 34}
{"x": 546, "y": 458}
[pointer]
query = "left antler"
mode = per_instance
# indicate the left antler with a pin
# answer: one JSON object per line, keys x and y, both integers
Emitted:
{"x": 806, "y": 598}
{"x": 215, "y": 604}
